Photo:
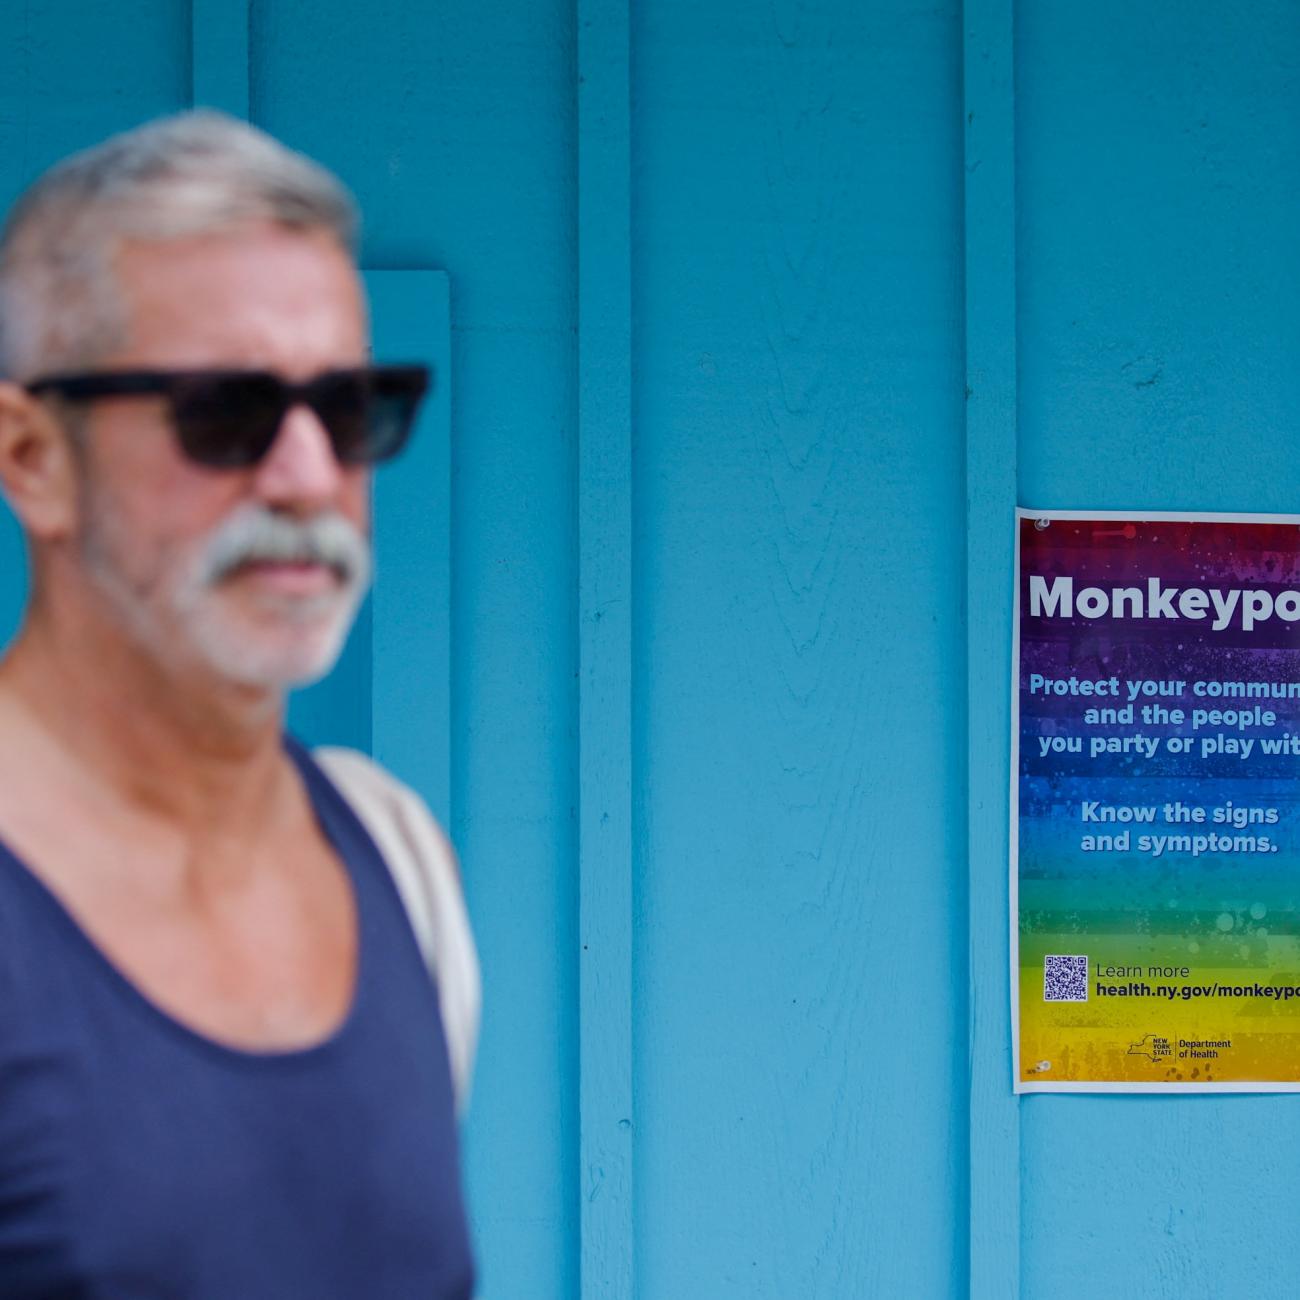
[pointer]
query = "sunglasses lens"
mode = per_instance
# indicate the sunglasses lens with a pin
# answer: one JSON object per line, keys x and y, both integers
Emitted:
{"x": 227, "y": 421}
{"x": 369, "y": 413}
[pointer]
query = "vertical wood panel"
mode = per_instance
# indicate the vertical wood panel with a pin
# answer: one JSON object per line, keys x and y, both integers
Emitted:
{"x": 606, "y": 1132}
{"x": 219, "y": 55}
{"x": 1159, "y": 335}
{"x": 801, "y": 947}
{"x": 411, "y": 629}
{"x": 994, "y": 1171}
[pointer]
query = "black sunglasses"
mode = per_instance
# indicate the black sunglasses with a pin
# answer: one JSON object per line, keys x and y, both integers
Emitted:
{"x": 228, "y": 419}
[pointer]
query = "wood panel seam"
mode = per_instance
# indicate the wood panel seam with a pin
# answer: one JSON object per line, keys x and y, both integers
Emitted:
{"x": 990, "y": 260}
{"x": 606, "y": 1131}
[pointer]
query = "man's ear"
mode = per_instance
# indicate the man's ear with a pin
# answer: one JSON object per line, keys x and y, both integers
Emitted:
{"x": 37, "y": 471}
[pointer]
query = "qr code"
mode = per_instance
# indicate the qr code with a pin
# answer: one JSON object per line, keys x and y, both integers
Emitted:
{"x": 1065, "y": 979}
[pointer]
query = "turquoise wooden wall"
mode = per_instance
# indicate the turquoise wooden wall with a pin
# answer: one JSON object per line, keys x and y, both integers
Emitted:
{"x": 754, "y": 319}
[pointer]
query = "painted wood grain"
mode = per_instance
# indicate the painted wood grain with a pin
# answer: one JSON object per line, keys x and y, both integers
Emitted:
{"x": 800, "y": 961}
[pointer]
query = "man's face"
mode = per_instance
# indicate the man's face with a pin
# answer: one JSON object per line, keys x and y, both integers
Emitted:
{"x": 184, "y": 557}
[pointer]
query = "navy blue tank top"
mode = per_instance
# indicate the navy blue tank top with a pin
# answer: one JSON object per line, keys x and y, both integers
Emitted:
{"x": 140, "y": 1160}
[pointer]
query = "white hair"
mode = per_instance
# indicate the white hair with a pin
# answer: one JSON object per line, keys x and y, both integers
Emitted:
{"x": 194, "y": 173}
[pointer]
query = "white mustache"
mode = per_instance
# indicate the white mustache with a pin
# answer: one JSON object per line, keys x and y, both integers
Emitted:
{"x": 253, "y": 534}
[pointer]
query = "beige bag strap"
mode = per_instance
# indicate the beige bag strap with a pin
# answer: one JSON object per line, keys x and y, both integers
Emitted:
{"x": 423, "y": 866}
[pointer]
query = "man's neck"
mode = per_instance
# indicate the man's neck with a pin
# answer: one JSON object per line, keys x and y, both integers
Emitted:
{"x": 196, "y": 753}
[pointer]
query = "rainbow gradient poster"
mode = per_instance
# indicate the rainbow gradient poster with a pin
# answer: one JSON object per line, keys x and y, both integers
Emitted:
{"x": 1155, "y": 823}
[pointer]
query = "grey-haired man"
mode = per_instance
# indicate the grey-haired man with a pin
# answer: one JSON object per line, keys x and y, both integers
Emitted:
{"x": 223, "y": 1074}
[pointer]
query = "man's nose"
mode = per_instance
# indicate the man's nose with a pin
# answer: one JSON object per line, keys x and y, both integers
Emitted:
{"x": 300, "y": 470}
